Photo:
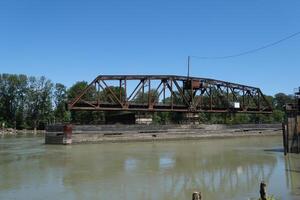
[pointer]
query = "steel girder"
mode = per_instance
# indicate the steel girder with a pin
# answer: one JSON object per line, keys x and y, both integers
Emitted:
{"x": 159, "y": 93}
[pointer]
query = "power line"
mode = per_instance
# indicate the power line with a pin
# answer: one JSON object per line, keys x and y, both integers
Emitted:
{"x": 250, "y": 51}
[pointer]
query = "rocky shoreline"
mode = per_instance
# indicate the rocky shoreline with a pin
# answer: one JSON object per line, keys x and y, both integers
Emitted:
{"x": 14, "y": 132}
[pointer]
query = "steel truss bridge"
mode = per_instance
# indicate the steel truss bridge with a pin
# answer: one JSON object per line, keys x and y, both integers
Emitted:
{"x": 167, "y": 93}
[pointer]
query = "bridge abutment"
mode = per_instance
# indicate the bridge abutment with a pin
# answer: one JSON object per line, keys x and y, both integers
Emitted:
{"x": 59, "y": 134}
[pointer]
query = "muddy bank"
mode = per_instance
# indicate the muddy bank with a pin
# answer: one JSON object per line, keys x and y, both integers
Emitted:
{"x": 126, "y": 133}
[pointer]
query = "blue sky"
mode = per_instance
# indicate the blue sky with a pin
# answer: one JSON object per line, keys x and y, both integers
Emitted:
{"x": 73, "y": 40}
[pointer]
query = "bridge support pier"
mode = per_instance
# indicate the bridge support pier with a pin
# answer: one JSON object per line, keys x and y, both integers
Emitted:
{"x": 143, "y": 119}
{"x": 59, "y": 134}
{"x": 191, "y": 118}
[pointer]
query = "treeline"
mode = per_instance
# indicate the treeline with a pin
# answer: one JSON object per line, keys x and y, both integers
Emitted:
{"x": 28, "y": 102}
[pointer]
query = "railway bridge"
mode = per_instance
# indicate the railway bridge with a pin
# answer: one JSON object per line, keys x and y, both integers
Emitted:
{"x": 168, "y": 93}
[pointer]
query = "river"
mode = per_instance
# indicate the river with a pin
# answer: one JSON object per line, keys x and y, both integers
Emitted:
{"x": 220, "y": 168}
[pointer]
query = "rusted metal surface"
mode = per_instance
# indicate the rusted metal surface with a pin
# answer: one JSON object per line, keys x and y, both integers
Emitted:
{"x": 161, "y": 93}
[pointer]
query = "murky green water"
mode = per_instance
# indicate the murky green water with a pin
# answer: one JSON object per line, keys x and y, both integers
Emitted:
{"x": 219, "y": 168}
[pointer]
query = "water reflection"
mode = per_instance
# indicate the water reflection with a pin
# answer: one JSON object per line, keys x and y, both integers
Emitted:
{"x": 292, "y": 167}
{"x": 221, "y": 169}
{"x": 166, "y": 162}
{"x": 130, "y": 164}
{"x": 173, "y": 170}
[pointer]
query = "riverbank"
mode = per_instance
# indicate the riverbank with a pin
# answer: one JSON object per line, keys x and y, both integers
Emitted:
{"x": 14, "y": 132}
{"x": 142, "y": 133}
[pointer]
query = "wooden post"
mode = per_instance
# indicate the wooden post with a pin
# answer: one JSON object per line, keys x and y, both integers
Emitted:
{"x": 263, "y": 191}
{"x": 197, "y": 196}
{"x": 284, "y": 138}
{"x": 287, "y": 135}
{"x": 297, "y": 132}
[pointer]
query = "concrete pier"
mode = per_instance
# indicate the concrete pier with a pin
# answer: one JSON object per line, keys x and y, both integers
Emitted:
{"x": 58, "y": 134}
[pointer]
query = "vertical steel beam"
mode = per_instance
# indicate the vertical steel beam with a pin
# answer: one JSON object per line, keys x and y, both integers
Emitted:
{"x": 172, "y": 95}
{"x": 149, "y": 94}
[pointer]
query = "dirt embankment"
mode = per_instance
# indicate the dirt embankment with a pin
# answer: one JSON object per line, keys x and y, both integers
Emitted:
{"x": 124, "y": 133}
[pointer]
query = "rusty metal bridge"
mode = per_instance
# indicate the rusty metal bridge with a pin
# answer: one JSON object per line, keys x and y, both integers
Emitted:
{"x": 167, "y": 93}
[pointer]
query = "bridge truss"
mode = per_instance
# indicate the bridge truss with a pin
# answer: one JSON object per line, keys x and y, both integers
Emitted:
{"x": 167, "y": 93}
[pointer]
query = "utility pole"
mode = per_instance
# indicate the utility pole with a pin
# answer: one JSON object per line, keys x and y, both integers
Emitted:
{"x": 188, "y": 74}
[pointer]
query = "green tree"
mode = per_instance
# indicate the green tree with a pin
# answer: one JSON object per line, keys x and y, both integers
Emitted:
{"x": 174, "y": 117}
{"x": 143, "y": 97}
{"x": 240, "y": 118}
{"x": 278, "y": 116}
{"x": 60, "y": 100}
{"x": 110, "y": 94}
{"x": 84, "y": 117}
{"x": 39, "y": 102}
{"x": 12, "y": 95}
{"x": 281, "y": 99}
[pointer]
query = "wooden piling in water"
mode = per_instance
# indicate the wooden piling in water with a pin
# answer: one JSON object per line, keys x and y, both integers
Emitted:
{"x": 285, "y": 138}
{"x": 263, "y": 191}
{"x": 197, "y": 196}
